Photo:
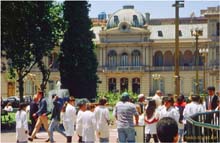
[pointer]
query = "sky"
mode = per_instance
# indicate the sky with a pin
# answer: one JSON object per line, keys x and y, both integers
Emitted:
{"x": 156, "y": 8}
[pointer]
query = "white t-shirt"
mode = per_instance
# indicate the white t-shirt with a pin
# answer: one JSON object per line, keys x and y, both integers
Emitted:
{"x": 192, "y": 108}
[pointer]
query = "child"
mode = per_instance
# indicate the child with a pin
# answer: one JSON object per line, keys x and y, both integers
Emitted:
{"x": 21, "y": 124}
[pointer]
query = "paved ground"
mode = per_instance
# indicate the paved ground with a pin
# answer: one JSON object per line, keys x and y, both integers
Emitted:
{"x": 9, "y": 137}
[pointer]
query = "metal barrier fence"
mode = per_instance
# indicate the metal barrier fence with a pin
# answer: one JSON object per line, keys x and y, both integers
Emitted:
{"x": 203, "y": 127}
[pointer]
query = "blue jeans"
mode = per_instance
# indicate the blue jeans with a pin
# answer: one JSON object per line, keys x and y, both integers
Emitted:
{"x": 126, "y": 135}
{"x": 54, "y": 124}
{"x": 180, "y": 132}
{"x": 103, "y": 140}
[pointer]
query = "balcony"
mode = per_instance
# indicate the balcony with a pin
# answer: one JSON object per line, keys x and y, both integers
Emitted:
{"x": 122, "y": 69}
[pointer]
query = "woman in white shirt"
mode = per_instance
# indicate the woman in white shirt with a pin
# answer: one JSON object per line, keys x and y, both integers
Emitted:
{"x": 82, "y": 108}
{"x": 69, "y": 118}
{"x": 151, "y": 120}
{"x": 102, "y": 118}
{"x": 21, "y": 124}
{"x": 88, "y": 124}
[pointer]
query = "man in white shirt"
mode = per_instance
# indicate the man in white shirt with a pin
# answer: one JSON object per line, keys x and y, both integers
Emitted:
{"x": 157, "y": 97}
{"x": 102, "y": 118}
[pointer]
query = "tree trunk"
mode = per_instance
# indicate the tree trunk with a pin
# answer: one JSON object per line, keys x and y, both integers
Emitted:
{"x": 21, "y": 88}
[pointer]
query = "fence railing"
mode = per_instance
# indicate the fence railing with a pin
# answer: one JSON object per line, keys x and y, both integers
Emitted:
{"x": 203, "y": 127}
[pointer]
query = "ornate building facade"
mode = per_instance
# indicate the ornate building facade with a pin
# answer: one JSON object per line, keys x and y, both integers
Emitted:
{"x": 136, "y": 53}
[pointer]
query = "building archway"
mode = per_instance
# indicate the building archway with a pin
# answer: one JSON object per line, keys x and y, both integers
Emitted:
{"x": 136, "y": 85}
{"x": 188, "y": 58}
{"x": 123, "y": 84}
{"x": 158, "y": 58}
{"x": 112, "y": 84}
{"x": 168, "y": 58}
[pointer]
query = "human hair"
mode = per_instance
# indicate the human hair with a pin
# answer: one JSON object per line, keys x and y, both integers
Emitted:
{"x": 102, "y": 101}
{"x": 22, "y": 105}
{"x": 171, "y": 100}
{"x": 8, "y": 104}
{"x": 167, "y": 129}
{"x": 71, "y": 98}
{"x": 90, "y": 106}
{"x": 164, "y": 99}
{"x": 151, "y": 108}
{"x": 195, "y": 98}
{"x": 64, "y": 106}
{"x": 180, "y": 99}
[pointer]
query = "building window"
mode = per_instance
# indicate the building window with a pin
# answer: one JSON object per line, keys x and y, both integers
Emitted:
{"x": 136, "y": 85}
{"x": 123, "y": 84}
{"x": 168, "y": 59}
{"x": 112, "y": 85}
{"x": 29, "y": 88}
{"x": 200, "y": 86}
{"x": 116, "y": 20}
{"x": 51, "y": 84}
{"x": 217, "y": 29}
{"x": 136, "y": 58}
{"x": 112, "y": 58}
{"x": 158, "y": 84}
{"x": 158, "y": 59}
{"x": 160, "y": 33}
{"x": 124, "y": 59}
{"x": 11, "y": 89}
{"x": 135, "y": 20}
{"x": 188, "y": 58}
{"x": 180, "y": 33}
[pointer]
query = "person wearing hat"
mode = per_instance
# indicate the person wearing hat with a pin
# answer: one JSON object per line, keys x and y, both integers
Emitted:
{"x": 124, "y": 112}
{"x": 141, "y": 100}
{"x": 170, "y": 110}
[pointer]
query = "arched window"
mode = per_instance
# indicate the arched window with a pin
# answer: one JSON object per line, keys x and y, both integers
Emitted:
{"x": 116, "y": 20}
{"x": 124, "y": 84}
{"x": 112, "y": 84}
{"x": 135, "y": 20}
{"x": 112, "y": 58}
{"x": 181, "y": 59}
{"x": 188, "y": 58}
{"x": 124, "y": 59}
{"x": 158, "y": 59}
{"x": 200, "y": 61}
{"x": 168, "y": 58}
{"x": 136, "y": 85}
{"x": 135, "y": 58}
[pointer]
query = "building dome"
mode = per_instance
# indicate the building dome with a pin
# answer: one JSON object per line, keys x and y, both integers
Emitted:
{"x": 129, "y": 15}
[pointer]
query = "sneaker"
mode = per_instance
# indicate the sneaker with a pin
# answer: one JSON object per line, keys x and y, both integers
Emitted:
{"x": 47, "y": 140}
{"x": 30, "y": 139}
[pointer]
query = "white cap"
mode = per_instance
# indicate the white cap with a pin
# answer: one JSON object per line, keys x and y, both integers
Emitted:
{"x": 140, "y": 96}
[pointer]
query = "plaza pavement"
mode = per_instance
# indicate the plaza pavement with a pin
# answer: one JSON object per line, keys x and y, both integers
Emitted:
{"x": 10, "y": 137}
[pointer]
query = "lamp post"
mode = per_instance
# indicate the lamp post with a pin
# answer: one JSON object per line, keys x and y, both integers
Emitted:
{"x": 204, "y": 53}
{"x": 177, "y": 5}
{"x": 196, "y": 33}
{"x": 156, "y": 77}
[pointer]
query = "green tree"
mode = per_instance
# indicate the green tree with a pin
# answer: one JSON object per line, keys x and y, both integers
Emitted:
{"x": 78, "y": 64}
{"x": 27, "y": 35}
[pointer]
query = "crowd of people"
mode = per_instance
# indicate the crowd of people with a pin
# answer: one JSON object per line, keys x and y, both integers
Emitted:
{"x": 162, "y": 116}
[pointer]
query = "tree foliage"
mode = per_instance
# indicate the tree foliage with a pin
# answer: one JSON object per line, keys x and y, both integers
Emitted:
{"x": 78, "y": 62}
{"x": 27, "y": 35}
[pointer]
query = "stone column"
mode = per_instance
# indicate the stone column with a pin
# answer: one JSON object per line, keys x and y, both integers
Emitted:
{"x": 129, "y": 84}
{"x": 118, "y": 84}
